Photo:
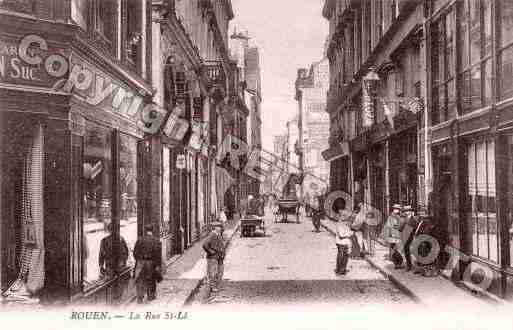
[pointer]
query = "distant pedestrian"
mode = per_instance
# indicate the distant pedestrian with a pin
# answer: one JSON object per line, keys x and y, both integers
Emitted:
{"x": 148, "y": 263}
{"x": 222, "y": 216}
{"x": 214, "y": 247}
{"x": 316, "y": 214}
{"x": 343, "y": 243}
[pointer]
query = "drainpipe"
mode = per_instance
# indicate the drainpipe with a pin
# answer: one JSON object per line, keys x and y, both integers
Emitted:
{"x": 426, "y": 95}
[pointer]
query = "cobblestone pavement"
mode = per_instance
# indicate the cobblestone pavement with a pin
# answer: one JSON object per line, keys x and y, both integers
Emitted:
{"x": 295, "y": 265}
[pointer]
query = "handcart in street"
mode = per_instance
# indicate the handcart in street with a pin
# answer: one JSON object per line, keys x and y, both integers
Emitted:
{"x": 287, "y": 207}
{"x": 250, "y": 224}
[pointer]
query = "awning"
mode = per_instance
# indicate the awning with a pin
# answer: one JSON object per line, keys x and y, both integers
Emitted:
{"x": 340, "y": 150}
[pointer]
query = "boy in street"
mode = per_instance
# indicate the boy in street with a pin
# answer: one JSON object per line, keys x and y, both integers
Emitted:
{"x": 408, "y": 235}
{"x": 343, "y": 240}
{"x": 215, "y": 251}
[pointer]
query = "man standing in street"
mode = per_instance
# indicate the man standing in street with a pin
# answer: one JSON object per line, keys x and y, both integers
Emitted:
{"x": 214, "y": 247}
{"x": 392, "y": 235}
{"x": 343, "y": 240}
{"x": 408, "y": 234}
{"x": 148, "y": 261}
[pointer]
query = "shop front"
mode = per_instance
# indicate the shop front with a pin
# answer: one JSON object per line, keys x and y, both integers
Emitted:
{"x": 403, "y": 168}
{"x": 71, "y": 201}
{"x": 111, "y": 162}
{"x": 173, "y": 199}
{"x": 469, "y": 202}
{"x": 377, "y": 177}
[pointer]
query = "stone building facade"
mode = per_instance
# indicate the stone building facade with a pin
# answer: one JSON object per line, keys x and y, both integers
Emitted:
{"x": 441, "y": 155}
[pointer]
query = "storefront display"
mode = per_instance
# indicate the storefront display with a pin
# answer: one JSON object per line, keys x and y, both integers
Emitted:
{"x": 98, "y": 171}
{"x": 23, "y": 262}
{"x": 127, "y": 192}
{"x": 481, "y": 209}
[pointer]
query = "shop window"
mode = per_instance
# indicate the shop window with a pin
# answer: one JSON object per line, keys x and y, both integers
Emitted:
{"x": 475, "y": 45}
{"x": 510, "y": 198}
{"x": 506, "y": 23}
{"x": 134, "y": 31}
{"x": 506, "y": 49}
{"x": 379, "y": 20}
{"x": 106, "y": 23}
{"x": 482, "y": 199}
{"x": 80, "y": 13}
{"x": 97, "y": 203}
{"x": 128, "y": 196}
{"x": 21, "y": 206}
{"x": 442, "y": 61}
{"x": 366, "y": 26}
{"x": 506, "y": 73}
{"x": 357, "y": 39}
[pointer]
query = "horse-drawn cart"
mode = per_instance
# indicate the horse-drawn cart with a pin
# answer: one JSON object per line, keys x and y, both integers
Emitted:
{"x": 286, "y": 207}
{"x": 250, "y": 224}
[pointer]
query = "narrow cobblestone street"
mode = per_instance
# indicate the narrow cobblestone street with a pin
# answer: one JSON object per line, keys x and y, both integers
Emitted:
{"x": 293, "y": 264}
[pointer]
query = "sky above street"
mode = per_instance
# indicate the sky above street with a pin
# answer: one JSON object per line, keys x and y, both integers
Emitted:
{"x": 291, "y": 35}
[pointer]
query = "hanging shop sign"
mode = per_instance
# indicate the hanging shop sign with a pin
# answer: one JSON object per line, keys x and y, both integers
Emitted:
{"x": 367, "y": 107}
{"x": 175, "y": 126}
{"x": 33, "y": 61}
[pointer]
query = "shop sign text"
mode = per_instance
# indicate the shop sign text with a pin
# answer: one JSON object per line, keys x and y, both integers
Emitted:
{"x": 31, "y": 61}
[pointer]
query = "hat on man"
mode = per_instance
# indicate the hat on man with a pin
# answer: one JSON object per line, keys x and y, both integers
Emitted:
{"x": 397, "y": 207}
{"x": 148, "y": 228}
{"x": 216, "y": 224}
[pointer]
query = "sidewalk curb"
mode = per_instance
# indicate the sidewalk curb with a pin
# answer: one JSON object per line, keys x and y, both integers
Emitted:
{"x": 391, "y": 277}
{"x": 196, "y": 288}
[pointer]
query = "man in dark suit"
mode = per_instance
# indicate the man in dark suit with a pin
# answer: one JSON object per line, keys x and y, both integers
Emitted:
{"x": 148, "y": 261}
{"x": 214, "y": 247}
{"x": 408, "y": 234}
{"x": 105, "y": 258}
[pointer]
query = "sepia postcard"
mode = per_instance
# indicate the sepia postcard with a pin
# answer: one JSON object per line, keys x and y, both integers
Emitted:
{"x": 256, "y": 164}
